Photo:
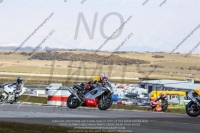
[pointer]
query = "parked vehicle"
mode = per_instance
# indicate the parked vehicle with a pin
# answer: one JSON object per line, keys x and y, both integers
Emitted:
{"x": 28, "y": 91}
{"x": 53, "y": 86}
{"x": 131, "y": 95}
{"x": 125, "y": 101}
{"x": 141, "y": 102}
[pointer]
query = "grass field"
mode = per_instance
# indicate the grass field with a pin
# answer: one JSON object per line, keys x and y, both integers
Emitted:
{"x": 173, "y": 66}
{"x": 13, "y": 127}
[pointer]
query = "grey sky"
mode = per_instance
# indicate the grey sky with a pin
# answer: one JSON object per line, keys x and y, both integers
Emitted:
{"x": 154, "y": 28}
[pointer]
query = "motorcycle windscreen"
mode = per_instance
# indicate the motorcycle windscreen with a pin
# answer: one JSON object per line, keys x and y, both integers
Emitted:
{"x": 109, "y": 86}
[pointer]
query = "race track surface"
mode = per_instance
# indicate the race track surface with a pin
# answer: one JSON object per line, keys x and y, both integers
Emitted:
{"x": 157, "y": 122}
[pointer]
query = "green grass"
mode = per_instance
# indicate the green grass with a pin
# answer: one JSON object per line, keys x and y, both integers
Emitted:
{"x": 33, "y": 99}
{"x": 13, "y": 127}
{"x": 129, "y": 107}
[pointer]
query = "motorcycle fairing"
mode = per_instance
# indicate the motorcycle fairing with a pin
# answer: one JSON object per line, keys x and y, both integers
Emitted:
{"x": 72, "y": 91}
{"x": 98, "y": 91}
{"x": 91, "y": 97}
{"x": 11, "y": 97}
{"x": 91, "y": 102}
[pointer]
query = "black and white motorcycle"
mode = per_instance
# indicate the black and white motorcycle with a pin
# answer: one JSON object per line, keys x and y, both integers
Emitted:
{"x": 8, "y": 94}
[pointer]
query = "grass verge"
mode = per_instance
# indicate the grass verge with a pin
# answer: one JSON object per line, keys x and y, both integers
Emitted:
{"x": 13, "y": 127}
{"x": 33, "y": 99}
{"x": 141, "y": 108}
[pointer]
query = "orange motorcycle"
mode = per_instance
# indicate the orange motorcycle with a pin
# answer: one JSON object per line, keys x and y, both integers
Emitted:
{"x": 158, "y": 107}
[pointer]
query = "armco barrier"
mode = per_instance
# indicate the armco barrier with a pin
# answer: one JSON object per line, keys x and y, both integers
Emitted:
{"x": 58, "y": 97}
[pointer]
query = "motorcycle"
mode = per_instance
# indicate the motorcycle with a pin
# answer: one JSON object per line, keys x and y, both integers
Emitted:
{"x": 193, "y": 107}
{"x": 8, "y": 94}
{"x": 97, "y": 96}
{"x": 158, "y": 107}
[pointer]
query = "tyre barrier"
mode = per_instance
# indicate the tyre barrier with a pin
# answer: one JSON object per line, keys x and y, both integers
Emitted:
{"x": 58, "y": 97}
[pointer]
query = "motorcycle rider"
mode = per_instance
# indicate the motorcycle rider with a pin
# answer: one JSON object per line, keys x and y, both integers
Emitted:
{"x": 164, "y": 101}
{"x": 19, "y": 85}
{"x": 99, "y": 80}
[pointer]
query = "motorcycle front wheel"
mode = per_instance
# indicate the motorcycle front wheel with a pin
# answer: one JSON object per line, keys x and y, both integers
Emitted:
{"x": 72, "y": 103}
{"x": 105, "y": 104}
{"x": 192, "y": 109}
{"x": 15, "y": 100}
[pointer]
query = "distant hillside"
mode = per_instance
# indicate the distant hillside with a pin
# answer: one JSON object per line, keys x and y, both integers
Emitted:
{"x": 13, "y": 48}
{"x": 106, "y": 60}
{"x": 28, "y": 48}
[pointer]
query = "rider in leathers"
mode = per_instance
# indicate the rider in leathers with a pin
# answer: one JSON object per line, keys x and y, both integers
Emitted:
{"x": 164, "y": 101}
{"x": 99, "y": 80}
{"x": 19, "y": 85}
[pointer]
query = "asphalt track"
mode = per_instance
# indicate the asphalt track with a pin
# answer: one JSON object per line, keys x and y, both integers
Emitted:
{"x": 157, "y": 122}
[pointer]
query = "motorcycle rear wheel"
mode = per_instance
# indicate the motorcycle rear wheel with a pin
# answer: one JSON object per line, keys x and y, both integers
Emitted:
{"x": 72, "y": 104}
{"x": 195, "y": 113}
{"x": 164, "y": 108}
{"x": 1, "y": 98}
{"x": 107, "y": 105}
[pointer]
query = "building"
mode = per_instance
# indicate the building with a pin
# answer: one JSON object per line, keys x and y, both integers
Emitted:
{"x": 152, "y": 85}
{"x": 181, "y": 87}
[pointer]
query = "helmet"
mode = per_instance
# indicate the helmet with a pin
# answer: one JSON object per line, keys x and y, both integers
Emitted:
{"x": 162, "y": 94}
{"x": 104, "y": 77}
{"x": 19, "y": 80}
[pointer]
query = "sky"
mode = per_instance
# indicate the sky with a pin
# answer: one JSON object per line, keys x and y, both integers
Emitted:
{"x": 155, "y": 25}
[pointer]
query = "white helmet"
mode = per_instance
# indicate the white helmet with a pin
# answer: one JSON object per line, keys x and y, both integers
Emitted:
{"x": 104, "y": 77}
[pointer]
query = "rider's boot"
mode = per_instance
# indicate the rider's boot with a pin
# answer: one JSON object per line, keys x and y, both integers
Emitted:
{"x": 16, "y": 97}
